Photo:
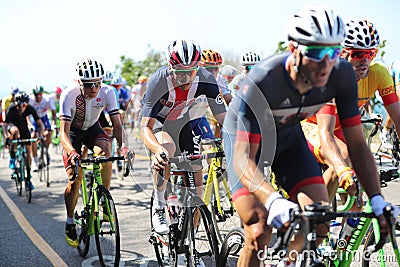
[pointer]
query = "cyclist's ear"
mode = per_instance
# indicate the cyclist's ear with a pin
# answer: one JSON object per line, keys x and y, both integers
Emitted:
{"x": 291, "y": 46}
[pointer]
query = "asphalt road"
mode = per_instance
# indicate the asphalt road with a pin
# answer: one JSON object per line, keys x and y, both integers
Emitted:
{"x": 39, "y": 241}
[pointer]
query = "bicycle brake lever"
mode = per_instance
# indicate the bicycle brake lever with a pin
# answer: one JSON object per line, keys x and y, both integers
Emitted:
{"x": 129, "y": 165}
{"x": 75, "y": 174}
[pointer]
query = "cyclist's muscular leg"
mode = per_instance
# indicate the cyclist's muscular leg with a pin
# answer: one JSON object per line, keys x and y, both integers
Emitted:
{"x": 103, "y": 148}
{"x": 257, "y": 233}
{"x": 71, "y": 193}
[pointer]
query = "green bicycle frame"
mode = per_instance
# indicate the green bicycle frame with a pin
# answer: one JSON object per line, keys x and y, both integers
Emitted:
{"x": 93, "y": 206}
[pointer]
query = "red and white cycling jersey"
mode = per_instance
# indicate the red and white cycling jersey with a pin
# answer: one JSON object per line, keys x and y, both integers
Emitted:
{"x": 84, "y": 113}
{"x": 43, "y": 106}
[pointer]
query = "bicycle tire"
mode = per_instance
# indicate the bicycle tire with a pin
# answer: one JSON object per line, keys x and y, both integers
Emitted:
{"x": 82, "y": 225}
{"x": 40, "y": 161}
{"x": 107, "y": 233}
{"x": 370, "y": 240}
{"x": 231, "y": 246}
{"x": 28, "y": 190}
{"x": 228, "y": 220}
{"x": 47, "y": 170}
{"x": 18, "y": 182}
{"x": 119, "y": 171}
{"x": 205, "y": 241}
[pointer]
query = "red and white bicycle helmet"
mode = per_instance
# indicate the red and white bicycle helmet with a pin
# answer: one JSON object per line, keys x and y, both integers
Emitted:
{"x": 184, "y": 53}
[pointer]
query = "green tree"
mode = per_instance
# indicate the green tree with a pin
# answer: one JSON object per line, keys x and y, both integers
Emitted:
{"x": 282, "y": 46}
{"x": 132, "y": 69}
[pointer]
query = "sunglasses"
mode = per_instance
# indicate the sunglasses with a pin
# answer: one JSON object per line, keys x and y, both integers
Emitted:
{"x": 318, "y": 53}
{"x": 248, "y": 68}
{"x": 185, "y": 72}
{"x": 91, "y": 84}
{"x": 361, "y": 54}
{"x": 22, "y": 105}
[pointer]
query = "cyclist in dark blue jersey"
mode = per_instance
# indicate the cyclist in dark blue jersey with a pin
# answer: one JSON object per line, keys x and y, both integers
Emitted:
{"x": 281, "y": 91}
{"x": 173, "y": 98}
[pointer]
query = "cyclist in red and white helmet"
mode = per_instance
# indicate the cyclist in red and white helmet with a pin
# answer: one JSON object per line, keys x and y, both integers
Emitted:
{"x": 172, "y": 91}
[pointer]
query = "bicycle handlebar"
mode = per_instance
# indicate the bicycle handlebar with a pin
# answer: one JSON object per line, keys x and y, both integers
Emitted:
{"x": 372, "y": 120}
{"x": 98, "y": 160}
{"x": 318, "y": 213}
{"x": 188, "y": 158}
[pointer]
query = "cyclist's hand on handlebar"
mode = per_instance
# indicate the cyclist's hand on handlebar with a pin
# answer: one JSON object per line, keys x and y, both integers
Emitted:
{"x": 72, "y": 156}
{"x": 279, "y": 210}
{"x": 160, "y": 159}
{"x": 346, "y": 181}
{"x": 378, "y": 205}
{"x": 124, "y": 151}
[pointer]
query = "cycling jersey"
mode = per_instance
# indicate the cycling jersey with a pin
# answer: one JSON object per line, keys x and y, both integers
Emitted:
{"x": 56, "y": 101}
{"x": 288, "y": 107}
{"x": 164, "y": 101}
{"x": 43, "y": 106}
{"x": 6, "y": 102}
{"x": 378, "y": 79}
{"x": 223, "y": 85}
{"x": 84, "y": 113}
{"x": 20, "y": 121}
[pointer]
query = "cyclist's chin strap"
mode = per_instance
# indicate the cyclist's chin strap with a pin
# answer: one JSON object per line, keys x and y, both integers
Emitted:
{"x": 297, "y": 70}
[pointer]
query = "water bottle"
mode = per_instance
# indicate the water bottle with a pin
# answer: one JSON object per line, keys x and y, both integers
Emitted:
{"x": 347, "y": 230}
{"x": 173, "y": 208}
{"x": 334, "y": 231}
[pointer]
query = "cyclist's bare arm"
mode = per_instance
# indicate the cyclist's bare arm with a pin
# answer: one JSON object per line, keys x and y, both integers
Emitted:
{"x": 41, "y": 125}
{"x": 65, "y": 127}
{"x": 118, "y": 130}
{"x": 151, "y": 142}
{"x": 249, "y": 174}
{"x": 331, "y": 151}
{"x": 394, "y": 113}
{"x": 362, "y": 159}
{"x": 220, "y": 117}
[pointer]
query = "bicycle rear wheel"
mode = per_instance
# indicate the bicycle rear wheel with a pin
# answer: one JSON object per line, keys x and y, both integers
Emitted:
{"x": 231, "y": 247}
{"x": 28, "y": 183}
{"x": 107, "y": 229}
{"x": 204, "y": 245}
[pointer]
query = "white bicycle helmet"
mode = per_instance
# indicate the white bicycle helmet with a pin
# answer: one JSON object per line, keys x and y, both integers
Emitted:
{"x": 89, "y": 69}
{"x": 361, "y": 34}
{"x": 316, "y": 24}
{"x": 116, "y": 79}
{"x": 185, "y": 53}
{"x": 249, "y": 58}
{"x": 107, "y": 76}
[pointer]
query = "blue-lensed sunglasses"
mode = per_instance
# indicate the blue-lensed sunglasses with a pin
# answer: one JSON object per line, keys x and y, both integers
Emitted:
{"x": 318, "y": 53}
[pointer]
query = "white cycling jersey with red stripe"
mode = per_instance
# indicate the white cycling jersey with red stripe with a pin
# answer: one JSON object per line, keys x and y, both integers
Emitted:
{"x": 84, "y": 113}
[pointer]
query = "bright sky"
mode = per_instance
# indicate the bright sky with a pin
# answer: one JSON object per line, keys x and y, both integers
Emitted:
{"x": 42, "y": 40}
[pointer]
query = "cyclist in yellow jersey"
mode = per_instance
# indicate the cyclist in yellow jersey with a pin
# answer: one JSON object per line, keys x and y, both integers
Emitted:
{"x": 8, "y": 100}
{"x": 323, "y": 133}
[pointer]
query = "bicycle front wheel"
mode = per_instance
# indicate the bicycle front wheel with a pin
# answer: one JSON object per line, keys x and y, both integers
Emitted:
{"x": 204, "y": 245}
{"x": 28, "y": 182}
{"x": 231, "y": 247}
{"x": 81, "y": 217}
{"x": 107, "y": 229}
{"x": 381, "y": 258}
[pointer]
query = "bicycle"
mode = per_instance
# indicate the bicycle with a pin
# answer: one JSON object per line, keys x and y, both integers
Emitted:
{"x": 340, "y": 253}
{"x": 217, "y": 194}
{"x": 43, "y": 162}
{"x": 194, "y": 238}
{"x": 22, "y": 171}
{"x": 95, "y": 212}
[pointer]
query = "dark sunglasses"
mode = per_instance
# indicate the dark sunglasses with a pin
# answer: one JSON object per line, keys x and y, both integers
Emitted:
{"x": 185, "y": 72}
{"x": 91, "y": 84}
{"x": 248, "y": 68}
{"x": 361, "y": 54}
{"x": 318, "y": 53}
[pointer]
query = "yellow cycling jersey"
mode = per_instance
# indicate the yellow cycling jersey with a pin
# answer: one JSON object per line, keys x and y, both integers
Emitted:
{"x": 379, "y": 79}
{"x": 6, "y": 102}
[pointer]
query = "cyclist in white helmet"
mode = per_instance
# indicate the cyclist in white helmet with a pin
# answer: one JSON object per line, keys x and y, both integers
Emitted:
{"x": 281, "y": 91}
{"x": 248, "y": 60}
{"x": 81, "y": 105}
{"x": 42, "y": 103}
